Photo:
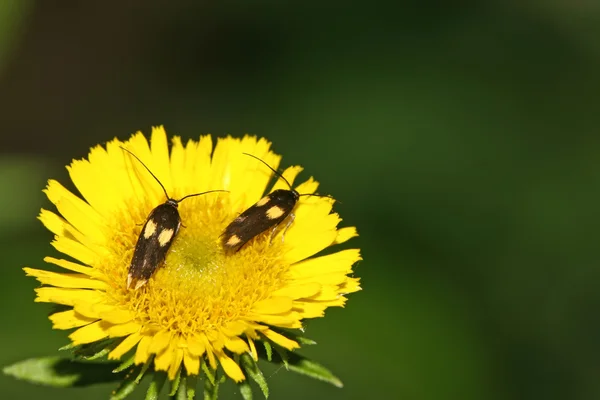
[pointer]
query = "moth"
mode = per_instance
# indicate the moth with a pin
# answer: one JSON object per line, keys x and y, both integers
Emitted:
{"x": 157, "y": 235}
{"x": 267, "y": 213}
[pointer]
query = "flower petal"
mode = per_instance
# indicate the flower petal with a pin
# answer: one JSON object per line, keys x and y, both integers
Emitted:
{"x": 89, "y": 333}
{"x": 127, "y": 344}
{"x": 273, "y": 305}
{"x": 231, "y": 368}
{"x": 281, "y": 340}
{"x": 71, "y": 266}
{"x": 160, "y": 341}
{"x": 345, "y": 234}
{"x": 69, "y": 319}
{"x": 68, "y": 297}
{"x": 64, "y": 280}
{"x": 191, "y": 363}
{"x": 142, "y": 354}
{"x": 299, "y": 291}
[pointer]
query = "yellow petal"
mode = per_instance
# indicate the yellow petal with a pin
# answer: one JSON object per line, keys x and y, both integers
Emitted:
{"x": 236, "y": 345}
{"x": 64, "y": 280}
{"x": 79, "y": 214}
{"x": 234, "y": 328}
{"x": 89, "y": 333}
{"x": 253, "y": 352}
{"x": 281, "y": 340}
{"x": 175, "y": 363}
{"x": 117, "y": 315}
{"x": 142, "y": 354}
{"x": 327, "y": 293}
{"x": 68, "y": 297}
{"x": 196, "y": 346}
{"x": 311, "y": 309}
{"x": 160, "y": 341}
{"x": 69, "y": 319}
{"x": 163, "y": 361}
{"x": 273, "y": 305}
{"x": 332, "y": 279}
{"x": 299, "y": 291}
{"x": 340, "y": 262}
{"x": 123, "y": 329}
{"x": 345, "y": 234}
{"x": 93, "y": 310}
{"x": 310, "y": 234}
{"x": 191, "y": 363}
{"x": 231, "y": 368}
{"x": 350, "y": 286}
{"x": 291, "y": 320}
{"x": 70, "y": 265}
{"x": 290, "y": 175}
{"x": 308, "y": 187}
{"x": 74, "y": 249}
{"x": 159, "y": 148}
{"x": 127, "y": 344}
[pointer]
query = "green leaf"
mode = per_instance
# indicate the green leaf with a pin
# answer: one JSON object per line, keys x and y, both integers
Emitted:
{"x": 251, "y": 368}
{"x": 245, "y": 390}
{"x": 126, "y": 387}
{"x": 175, "y": 383}
{"x": 158, "y": 381}
{"x": 62, "y": 372}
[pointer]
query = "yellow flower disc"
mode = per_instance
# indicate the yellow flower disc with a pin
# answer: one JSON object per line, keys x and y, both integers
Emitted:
{"x": 200, "y": 304}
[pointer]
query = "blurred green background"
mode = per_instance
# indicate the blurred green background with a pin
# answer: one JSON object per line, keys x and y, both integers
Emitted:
{"x": 461, "y": 140}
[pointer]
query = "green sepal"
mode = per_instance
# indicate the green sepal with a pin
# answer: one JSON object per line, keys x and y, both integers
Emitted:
{"x": 175, "y": 383}
{"x": 253, "y": 371}
{"x": 144, "y": 369}
{"x": 268, "y": 350}
{"x": 245, "y": 390}
{"x": 211, "y": 390}
{"x": 125, "y": 364}
{"x": 158, "y": 381}
{"x": 91, "y": 351}
{"x": 190, "y": 387}
{"x": 62, "y": 372}
{"x": 283, "y": 356}
{"x": 208, "y": 371}
{"x": 126, "y": 387}
{"x": 302, "y": 365}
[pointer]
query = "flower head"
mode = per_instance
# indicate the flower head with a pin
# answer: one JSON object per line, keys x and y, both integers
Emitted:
{"x": 202, "y": 304}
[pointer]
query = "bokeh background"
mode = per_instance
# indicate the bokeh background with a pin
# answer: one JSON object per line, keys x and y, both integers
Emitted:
{"x": 461, "y": 139}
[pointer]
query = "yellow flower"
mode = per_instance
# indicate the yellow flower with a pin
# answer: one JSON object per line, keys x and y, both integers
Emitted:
{"x": 201, "y": 304}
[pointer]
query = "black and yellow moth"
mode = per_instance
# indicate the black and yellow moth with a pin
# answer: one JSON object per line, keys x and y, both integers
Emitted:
{"x": 268, "y": 212}
{"x": 157, "y": 235}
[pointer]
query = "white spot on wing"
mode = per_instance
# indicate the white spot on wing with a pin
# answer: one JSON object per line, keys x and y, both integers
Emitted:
{"x": 165, "y": 236}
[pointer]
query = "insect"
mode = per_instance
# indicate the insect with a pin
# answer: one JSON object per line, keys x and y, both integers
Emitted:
{"x": 157, "y": 235}
{"x": 266, "y": 213}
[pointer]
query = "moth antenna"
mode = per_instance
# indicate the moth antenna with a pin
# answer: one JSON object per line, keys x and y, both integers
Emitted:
{"x": 317, "y": 195}
{"x": 271, "y": 168}
{"x": 148, "y": 169}
{"x": 198, "y": 194}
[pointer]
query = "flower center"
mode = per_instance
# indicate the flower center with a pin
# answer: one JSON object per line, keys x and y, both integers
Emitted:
{"x": 199, "y": 288}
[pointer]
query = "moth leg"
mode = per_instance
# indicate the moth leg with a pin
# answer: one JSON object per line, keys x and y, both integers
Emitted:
{"x": 272, "y": 234}
{"x": 291, "y": 218}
